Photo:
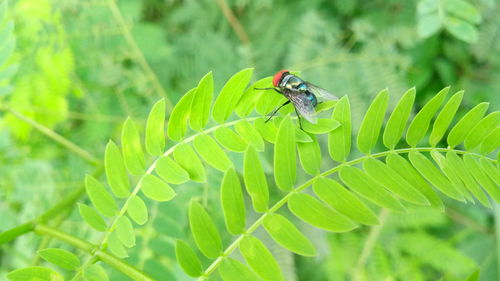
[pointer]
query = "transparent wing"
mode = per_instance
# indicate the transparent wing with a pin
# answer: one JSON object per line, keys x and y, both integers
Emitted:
{"x": 304, "y": 106}
{"x": 320, "y": 92}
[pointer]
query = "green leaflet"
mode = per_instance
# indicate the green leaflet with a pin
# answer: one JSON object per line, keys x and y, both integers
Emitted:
{"x": 231, "y": 269}
{"x": 187, "y": 259}
{"x": 310, "y": 156}
{"x": 323, "y": 126}
{"x": 491, "y": 142}
{"x": 490, "y": 170}
{"x": 391, "y": 180}
{"x": 115, "y": 171}
{"x": 91, "y": 216}
{"x": 255, "y": 180}
{"x": 156, "y": 189}
{"x": 372, "y": 122}
{"x": 189, "y": 161}
{"x": 474, "y": 276}
{"x": 170, "y": 171}
{"x": 287, "y": 235}
{"x": 202, "y": 100}
{"x": 211, "y": 152}
{"x": 285, "y": 170}
{"x": 60, "y": 257}
{"x": 301, "y": 136}
{"x": 418, "y": 127}
{"x": 339, "y": 141}
{"x": 250, "y": 134}
{"x": 230, "y": 140}
{"x": 463, "y": 127}
{"x": 7, "y": 49}
{"x": 482, "y": 178}
{"x": 230, "y": 95}
{"x": 445, "y": 117}
{"x": 100, "y": 198}
{"x": 406, "y": 170}
{"x": 482, "y": 129}
{"x": 137, "y": 210}
{"x": 458, "y": 165}
{"x": 312, "y": 211}
{"x": 233, "y": 204}
{"x": 204, "y": 231}
{"x": 267, "y": 130}
{"x": 95, "y": 272}
{"x": 338, "y": 197}
{"x": 434, "y": 176}
{"x": 133, "y": 155}
{"x": 398, "y": 119}
{"x": 125, "y": 231}
{"x": 326, "y": 105}
{"x": 35, "y": 273}
{"x": 363, "y": 184}
{"x": 270, "y": 100}
{"x": 155, "y": 135}
{"x": 177, "y": 123}
{"x": 260, "y": 259}
{"x": 116, "y": 247}
{"x": 451, "y": 174}
{"x": 250, "y": 97}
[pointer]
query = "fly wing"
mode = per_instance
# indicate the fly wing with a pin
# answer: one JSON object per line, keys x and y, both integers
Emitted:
{"x": 304, "y": 106}
{"x": 320, "y": 92}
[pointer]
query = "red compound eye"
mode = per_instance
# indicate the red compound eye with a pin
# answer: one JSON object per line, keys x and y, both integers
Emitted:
{"x": 277, "y": 77}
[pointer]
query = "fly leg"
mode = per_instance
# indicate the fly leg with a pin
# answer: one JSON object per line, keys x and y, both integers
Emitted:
{"x": 276, "y": 111}
{"x": 269, "y": 89}
{"x": 300, "y": 119}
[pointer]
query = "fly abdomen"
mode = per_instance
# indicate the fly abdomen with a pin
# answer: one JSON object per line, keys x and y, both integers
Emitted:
{"x": 312, "y": 98}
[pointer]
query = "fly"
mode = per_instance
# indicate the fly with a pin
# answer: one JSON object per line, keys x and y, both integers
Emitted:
{"x": 303, "y": 95}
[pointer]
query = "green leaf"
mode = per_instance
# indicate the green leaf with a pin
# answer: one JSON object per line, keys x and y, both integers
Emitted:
{"x": 490, "y": 170}
{"x": 269, "y": 101}
{"x": 451, "y": 174}
{"x": 255, "y": 180}
{"x": 445, "y": 117}
{"x": 170, "y": 171}
{"x": 230, "y": 140}
{"x": 260, "y": 259}
{"x": 95, "y": 272}
{"x": 189, "y": 161}
{"x": 60, "y": 257}
{"x": 34, "y": 273}
{"x": 202, "y": 101}
{"x": 131, "y": 148}
{"x": 491, "y": 142}
{"x": 463, "y": 9}
{"x": 125, "y": 231}
{"x": 481, "y": 177}
{"x": 268, "y": 130}
{"x": 397, "y": 121}
{"x": 474, "y": 276}
{"x": 287, "y": 235}
{"x": 156, "y": 189}
{"x": 372, "y": 122}
{"x": 250, "y": 134}
{"x": 7, "y": 49}
{"x": 177, "y": 123}
{"x": 461, "y": 29}
{"x": 285, "y": 165}
{"x": 339, "y": 141}
{"x": 464, "y": 126}
{"x": 341, "y": 199}
{"x": 3, "y": 10}
{"x": 482, "y": 129}
{"x": 187, "y": 259}
{"x": 7, "y": 73}
{"x": 100, "y": 198}
{"x": 92, "y": 217}
{"x": 137, "y": 210}
{"x": 367, "y": 187}
{"x": 250, "y": 97}
{"x": 326, "y": 105}
{"x": 391, "y": 180}
{"x": 205, "y": 233}
{"x": 6, "y": 33}
{"x": 428, "y": 24}
{"x": 310, "y": 156}
{"x": 233, "y": 204}
{"x": 116, "y": 247}
{"x": 115, "y": 171}
{"x": 301, "y": 136}
{"x": 312, "y": 211}
{"x": 211, "y": 152}
{"x": 322, "y": 126}
{"x": 418, "y": 127}
{"x": 230, "y": 95}
{"x": 458, "y": 165}
{"x": 155, "y": 134}
{"x": 231, "y": 269}
{"x": 434, "y": 176}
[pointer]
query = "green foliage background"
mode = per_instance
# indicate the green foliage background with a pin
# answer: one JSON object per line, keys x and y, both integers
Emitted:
{"x": 84, "y": 66}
